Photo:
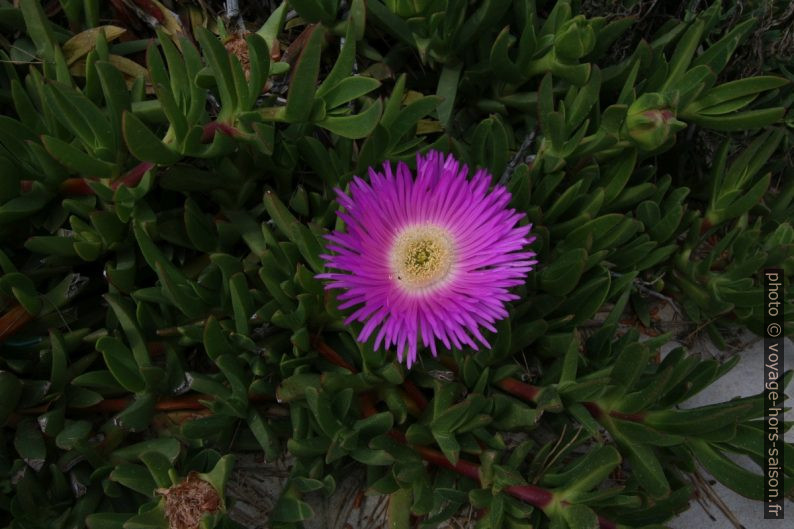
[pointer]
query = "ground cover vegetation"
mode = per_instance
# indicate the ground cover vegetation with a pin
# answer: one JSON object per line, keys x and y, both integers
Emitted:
{"x": 167, "y": 177}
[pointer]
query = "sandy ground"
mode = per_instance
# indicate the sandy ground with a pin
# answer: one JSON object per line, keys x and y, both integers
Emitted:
{"x": 743, "y": 380}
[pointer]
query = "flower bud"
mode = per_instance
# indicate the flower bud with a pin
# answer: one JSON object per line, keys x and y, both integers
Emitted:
{"x": 575, "y": 39}
{"x": 651, "y": 121}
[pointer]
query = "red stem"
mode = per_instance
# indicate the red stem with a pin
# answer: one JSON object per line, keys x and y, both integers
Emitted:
{"x": 529, "y": 393}
{"x": 367, "y": 398}
{"x": 189, "y": 402}
{"x": 415, "y": 394}
{"x": 519, "y": 389}
{"x": 537, "y": 496}
{"x": 155, "y": 348}
{"x": 511, "y": 385}
{"x": 462, "y": 467}
{"x": 133, "y": 176}
{"x": 705, "y": 225}
{"x": 332, "y": 356}
{"x": 634, "y": 417}
{"x": 80, "y": 187}
{"x": 151, "y": 9}
{"x": 534, "y": 495}
{"x": 216, "y": 126}
{"x": 13, "y": 320}
{"x": 76, "y": 187}
{"x": 603, "y": 523}
{"x": 597, "y": 412}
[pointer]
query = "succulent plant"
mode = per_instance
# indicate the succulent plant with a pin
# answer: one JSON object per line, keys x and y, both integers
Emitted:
{"x": 168, "y": 183}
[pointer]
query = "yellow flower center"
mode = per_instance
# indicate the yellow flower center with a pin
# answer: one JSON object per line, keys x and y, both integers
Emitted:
{"x": 422, "y": 256}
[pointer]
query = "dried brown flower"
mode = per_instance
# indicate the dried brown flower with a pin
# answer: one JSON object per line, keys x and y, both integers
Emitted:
{"x": 187, "y": 502}
{"x": 237, "y": 46}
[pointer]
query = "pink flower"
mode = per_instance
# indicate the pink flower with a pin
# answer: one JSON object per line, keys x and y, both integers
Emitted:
{"x": 427, "y": 258}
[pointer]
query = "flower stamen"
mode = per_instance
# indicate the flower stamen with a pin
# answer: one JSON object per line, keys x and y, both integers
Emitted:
{"x": 422, "y": 256}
